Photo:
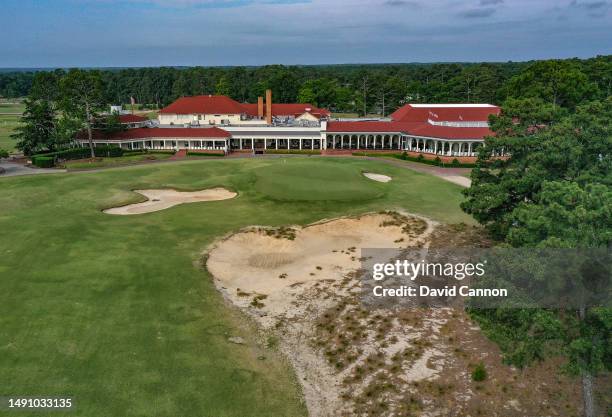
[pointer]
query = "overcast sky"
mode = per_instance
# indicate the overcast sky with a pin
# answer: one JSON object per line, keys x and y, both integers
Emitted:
{"x": 108, "y": 33}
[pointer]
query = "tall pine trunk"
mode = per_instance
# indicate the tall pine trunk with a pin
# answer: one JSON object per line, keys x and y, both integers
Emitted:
{"x": 587, "y": 395}
{"x": 587, "y": 381}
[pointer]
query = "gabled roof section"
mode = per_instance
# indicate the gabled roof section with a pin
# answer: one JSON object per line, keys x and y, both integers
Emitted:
{"x": 131, "y": 118}
{"x": 444, "y": 112}
{"x": 204, "y": 105}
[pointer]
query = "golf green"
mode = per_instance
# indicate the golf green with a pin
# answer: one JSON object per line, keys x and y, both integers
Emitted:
{"x": 116, "y": 312}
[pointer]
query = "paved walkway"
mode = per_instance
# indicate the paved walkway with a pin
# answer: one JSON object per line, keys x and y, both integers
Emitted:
{"x": 12, "y": 169}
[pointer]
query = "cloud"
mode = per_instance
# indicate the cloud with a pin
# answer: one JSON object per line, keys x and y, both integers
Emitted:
{"x": 204, "y": 4}
{"x": 401, "y": 3}
{"x": 478, "y": 13}
{"x": 490, "y": 2}
{"x": 590, "y": 5}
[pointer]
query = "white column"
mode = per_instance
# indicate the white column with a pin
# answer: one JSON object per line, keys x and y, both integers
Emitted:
{"x": 300, "y": 144}
{"x": 342, "y": 142}
{"x": 275, "y": 143}
{"x": 436, "y": 147}
{"x": 470, "y": 149}
{"x": 311, "y": 144}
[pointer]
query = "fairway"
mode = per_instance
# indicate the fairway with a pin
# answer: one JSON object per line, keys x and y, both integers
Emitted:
{"x": 8, "y": 123}
{"x": 114, "y": 310}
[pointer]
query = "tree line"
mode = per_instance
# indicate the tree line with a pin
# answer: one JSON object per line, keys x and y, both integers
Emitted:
{"x": 361, "y": 89}
{"x": 554, "y": 191}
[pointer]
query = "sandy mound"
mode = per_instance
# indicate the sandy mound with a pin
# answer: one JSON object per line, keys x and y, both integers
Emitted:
{"x": 163, "y": 199}
{"x": 377, "y": 177}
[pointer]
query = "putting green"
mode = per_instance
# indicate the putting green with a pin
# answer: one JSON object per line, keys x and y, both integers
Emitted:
{"x": 298, "y": 181}
{"x": 111, "y": 309}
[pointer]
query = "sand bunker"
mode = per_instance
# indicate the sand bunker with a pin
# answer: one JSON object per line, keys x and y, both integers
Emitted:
{"x": 275, "y": 263}
{"x": 163, "y": 199}
{"x": 302, "y": 285}
{"x": 377, "y": 177}
{"x": 287, "y": 278}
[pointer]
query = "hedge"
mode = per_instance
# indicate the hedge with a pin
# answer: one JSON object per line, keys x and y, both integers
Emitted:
{"x": 78, "y": 153}
{"x": 405, "y": 157}
{"x": 44, "y": 161}
{"x": 294, "y": 151}
{"x": 204, "y": 154}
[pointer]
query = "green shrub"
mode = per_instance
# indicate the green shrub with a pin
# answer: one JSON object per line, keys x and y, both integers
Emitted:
{"x": 294, "y": 151}
{"x": 44, "y": 161}
{"x": 204, "y": 154}
{"x": 3, "y": 153}
{"x": 107, "y": 151}
{"x": 479, "y": 373}
{"x": 421, "y": 159}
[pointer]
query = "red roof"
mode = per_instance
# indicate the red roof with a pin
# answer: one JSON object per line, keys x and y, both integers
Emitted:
{"x": 204, "y": 105}
{"x": 446, "y": 113}
{"x": 161, "y": 133}
{"x": 225, "y": 105}
{"x": 410, "y": 128}
{"x": 131, "y": 118}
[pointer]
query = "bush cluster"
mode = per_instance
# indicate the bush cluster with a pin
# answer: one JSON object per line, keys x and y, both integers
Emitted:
{"x": 479, "y": 373}
{"x": 421, "y": 158}
{"x": 437, "y": 161}
{"x": 294, "y": 151}
{"x": 205, "y": 154}
{"x": 42, "y": 160}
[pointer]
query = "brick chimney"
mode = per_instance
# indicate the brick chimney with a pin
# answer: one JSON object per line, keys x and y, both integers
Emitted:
{"x": 260, "y": 107}
{"x": 269, "y": 107}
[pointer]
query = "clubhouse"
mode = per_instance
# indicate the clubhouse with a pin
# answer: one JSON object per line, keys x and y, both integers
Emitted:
{"x": 221, "y": 124}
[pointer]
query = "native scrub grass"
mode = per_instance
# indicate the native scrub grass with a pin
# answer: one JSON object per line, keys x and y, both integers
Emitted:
{"x": 116, "y": 311}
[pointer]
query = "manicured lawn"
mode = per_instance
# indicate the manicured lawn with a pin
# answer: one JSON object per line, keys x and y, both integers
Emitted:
{"x": 111, "y": 162}
{"x": 114, "y": 311}
{"x": 8, "y": 124}
{"x": 11, "y": 107}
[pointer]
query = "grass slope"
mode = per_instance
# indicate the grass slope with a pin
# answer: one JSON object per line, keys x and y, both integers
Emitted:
{"x": 112, "y": 310}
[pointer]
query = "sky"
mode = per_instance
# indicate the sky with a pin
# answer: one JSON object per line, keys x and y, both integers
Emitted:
{"x": 122, "y": 33}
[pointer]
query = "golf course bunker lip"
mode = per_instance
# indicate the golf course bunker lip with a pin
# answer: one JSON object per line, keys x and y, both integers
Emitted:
{"x": 377, "y": 177}
{"x": 161, "y": 199}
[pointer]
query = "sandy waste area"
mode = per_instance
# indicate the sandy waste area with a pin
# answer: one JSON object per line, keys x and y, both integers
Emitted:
{"x": 166, "y": 198}
{"x": 377, "y": 177}
{"x": 300, "y": 284}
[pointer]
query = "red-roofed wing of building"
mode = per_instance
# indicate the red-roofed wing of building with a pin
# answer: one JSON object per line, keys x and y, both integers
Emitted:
{"x": 422, "y": 129}
{"x": 204, "y": 105}
{"x": 444, "y": 112}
